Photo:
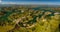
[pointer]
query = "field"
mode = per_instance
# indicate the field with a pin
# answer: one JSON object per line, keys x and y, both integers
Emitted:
{"x": 29, "y": 19}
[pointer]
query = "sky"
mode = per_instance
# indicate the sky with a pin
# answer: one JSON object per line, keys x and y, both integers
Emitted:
{"x": 48, "y": 2}
{"x": 33, "y": 0}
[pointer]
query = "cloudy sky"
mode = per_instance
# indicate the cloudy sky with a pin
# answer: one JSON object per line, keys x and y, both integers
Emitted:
{"x": 48, "y": 2}
{"x": 30, "y": 0}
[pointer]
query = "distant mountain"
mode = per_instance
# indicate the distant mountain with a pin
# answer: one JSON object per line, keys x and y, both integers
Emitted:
{"x": 8, "y": 5}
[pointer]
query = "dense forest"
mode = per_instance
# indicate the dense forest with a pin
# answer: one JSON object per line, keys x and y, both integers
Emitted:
{"x": 29, "y": 19}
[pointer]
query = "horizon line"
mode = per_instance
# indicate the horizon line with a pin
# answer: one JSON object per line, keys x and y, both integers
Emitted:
{"x": 37, "y": 3}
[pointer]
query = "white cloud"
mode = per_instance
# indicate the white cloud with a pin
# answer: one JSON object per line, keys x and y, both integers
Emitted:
{"x": 0, "y": 0}
{"x": 37, "y": 3}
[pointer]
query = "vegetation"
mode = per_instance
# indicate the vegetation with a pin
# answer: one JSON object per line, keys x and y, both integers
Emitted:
{"x": 29, "y": 19}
